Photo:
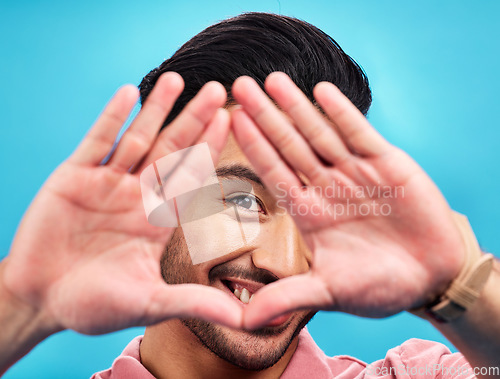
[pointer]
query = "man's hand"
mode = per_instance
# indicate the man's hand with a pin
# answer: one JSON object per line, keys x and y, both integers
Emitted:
{"x": 84, "y": 255}
{"x": 382, "y": 235}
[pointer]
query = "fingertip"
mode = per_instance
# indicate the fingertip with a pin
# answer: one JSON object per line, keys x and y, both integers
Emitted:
{"x": 276, "y": 79}
{"x": 123, "y": 101}
{"x": 324, "y": 90}
{"x": 320, "y": 88}
{"x": 129, "y": 92}
{"x": 172, "y": 80}
{"x": 242, "y": 85}
{"x": 216, "y": 92}
{"x": 278, "y": 75}
{"x": 243, "y": 80}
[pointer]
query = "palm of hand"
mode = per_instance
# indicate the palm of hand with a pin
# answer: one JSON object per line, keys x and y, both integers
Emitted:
{"x": 375, "y": 253}
{"x": 94, "y": 253}
{"x": 408, "y": 246}
{"x": 98, "y": 269}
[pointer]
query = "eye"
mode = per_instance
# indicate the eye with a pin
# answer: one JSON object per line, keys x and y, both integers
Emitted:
{"x": 246, "y": 201}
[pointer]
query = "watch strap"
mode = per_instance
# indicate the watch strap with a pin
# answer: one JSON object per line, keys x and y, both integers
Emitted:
{"x": 467, "y": 286}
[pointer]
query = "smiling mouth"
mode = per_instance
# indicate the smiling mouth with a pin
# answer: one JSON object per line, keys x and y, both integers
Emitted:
{"x": 243, "y": 292}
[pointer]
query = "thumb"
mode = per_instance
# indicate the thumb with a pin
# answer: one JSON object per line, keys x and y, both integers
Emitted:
{"x": 193, "y": 301}
{"x": 286, "y": 295}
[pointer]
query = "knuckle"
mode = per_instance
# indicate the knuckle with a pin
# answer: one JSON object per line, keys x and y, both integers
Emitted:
{"x": 286, "y": 140}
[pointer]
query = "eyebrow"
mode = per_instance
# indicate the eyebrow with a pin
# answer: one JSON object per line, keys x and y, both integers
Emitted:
{"x": 239, "y": 171}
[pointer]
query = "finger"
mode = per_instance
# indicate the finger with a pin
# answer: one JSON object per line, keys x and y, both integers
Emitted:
{"x": 191, "y": 170}
{"x": 169, "y": 183}
{"x": 188, "y": 126}
{"x": 286, "y": 295}
{"x": 99, "y": 141}
{"x": 193, "y": 301}
{"x": 139, "y": 137}
{"x": 215, "y": 136}
{"x": 275, "y": 126}
{"x": 354, "y": 127}
{"x": 268, "y": 164}
{"x": 216, "y": 133}
{"x": 311, "y": 123}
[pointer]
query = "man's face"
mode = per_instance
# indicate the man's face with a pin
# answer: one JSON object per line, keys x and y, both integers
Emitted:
{"x": 277, "y": 252}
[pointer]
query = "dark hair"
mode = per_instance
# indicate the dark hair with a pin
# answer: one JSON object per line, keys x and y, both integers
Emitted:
{"x": 256, "y": 44}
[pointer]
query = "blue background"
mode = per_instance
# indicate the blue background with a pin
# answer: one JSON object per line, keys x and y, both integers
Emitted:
{"x": 433, "y": 71}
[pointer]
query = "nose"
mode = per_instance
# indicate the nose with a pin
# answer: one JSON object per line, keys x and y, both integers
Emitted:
{"x": 281, "y": 249}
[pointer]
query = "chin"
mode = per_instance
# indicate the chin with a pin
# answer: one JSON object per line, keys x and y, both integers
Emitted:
{"x": 250, "y": 350}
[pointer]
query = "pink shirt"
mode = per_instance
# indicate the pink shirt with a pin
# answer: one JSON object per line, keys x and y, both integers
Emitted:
{"x": 413, "y": 359}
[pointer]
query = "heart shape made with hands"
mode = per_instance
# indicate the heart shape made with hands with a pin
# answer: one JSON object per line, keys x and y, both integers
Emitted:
{"x": 385, "y": 241}
{"x": 381, "y": 234}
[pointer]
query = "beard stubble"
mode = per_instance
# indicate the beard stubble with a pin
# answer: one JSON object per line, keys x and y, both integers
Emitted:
{"x": 248, "y": 350}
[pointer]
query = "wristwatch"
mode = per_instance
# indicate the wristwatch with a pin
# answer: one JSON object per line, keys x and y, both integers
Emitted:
{"x": 467, "y": 286}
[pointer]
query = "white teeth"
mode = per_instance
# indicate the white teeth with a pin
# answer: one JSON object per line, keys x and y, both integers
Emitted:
{"x": 245, "y": 296}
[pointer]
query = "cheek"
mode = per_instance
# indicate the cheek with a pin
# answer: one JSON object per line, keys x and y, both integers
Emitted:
{"x": 176, "y": 266}
{"x": 219, "y": 234}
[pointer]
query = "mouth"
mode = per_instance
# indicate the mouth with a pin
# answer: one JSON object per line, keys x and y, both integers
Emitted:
{"x": 244, "y": 291}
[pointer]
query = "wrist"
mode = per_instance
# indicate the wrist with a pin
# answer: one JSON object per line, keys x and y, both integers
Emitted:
{"x": 23, "y": 325}
{"x": 476, "y": 332}
{"x": 463, "y": 292}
